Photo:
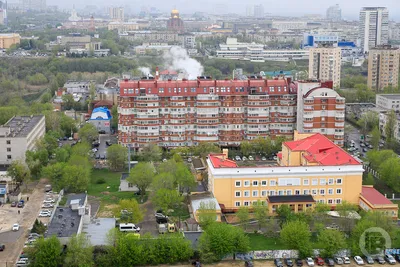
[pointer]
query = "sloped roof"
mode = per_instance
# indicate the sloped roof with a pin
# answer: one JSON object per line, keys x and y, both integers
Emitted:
{"x": 374, "y": 197}
{"x": 319, "y": 149}
{"x": 101, "y": 113}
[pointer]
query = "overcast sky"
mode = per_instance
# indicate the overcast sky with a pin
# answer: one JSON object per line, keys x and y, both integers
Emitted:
{"x": 350, "y": 8}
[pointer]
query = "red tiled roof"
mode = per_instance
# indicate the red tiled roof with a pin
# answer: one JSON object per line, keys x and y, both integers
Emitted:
{"x": 319, "y": 149}
{"x": 168, "y": 72}
{"x": 218, "y": 162}
{"x": 374, "y": 197}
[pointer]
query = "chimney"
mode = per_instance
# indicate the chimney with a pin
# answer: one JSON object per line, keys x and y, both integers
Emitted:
{"x": 225, "y": 153}
{"x": 157, "y": 73}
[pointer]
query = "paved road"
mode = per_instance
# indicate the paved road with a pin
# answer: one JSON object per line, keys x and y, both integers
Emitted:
{"x": 25, "y": 219}
{"x": 149, "y": 224}
{"x": 10, "y": 236}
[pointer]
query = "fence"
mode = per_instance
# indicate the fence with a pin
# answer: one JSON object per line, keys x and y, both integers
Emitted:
{"x": 279, "y": 254}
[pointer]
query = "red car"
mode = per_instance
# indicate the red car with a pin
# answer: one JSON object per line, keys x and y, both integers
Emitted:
{"x": 319, "y": 261}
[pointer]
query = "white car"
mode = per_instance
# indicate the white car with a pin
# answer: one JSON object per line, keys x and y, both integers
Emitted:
{"x": 237, "y": 158}
{"x": 346, "y": 260}
{"x": 47, "y": 205}
{"x": 359, "y": 260}
{"x": 263, "y": 158}
{"x": 339, "y": 260}
{"x": 275, "y": 158}
{"x": 44, "y": 214}
{"x": 310, "y": 262}
{"x": 244, "y": 158}
{"x": 15, "y": 227}
{"x": 251, "y": 158}
{"x": 48, "y": 201}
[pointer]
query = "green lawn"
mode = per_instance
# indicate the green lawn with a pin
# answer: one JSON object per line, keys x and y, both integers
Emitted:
{"x": 107, "y": 192}
{"x": 260, "y": 242}
{"x": 182, "y": 211}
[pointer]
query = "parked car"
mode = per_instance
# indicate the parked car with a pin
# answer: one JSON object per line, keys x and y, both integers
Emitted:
{"x": 47, "y": 205}
{"x": 289, "y": 262}
{"x": 329, "y": 262}
{"x": 369, "y": 260}
{"x": 310, "y": 262}
{"x": 299, "y": 262}
{"x": 263, "y": 158}
{"x": 108, "y": 143}
{"x": 103, "y": 157}
{"x": 248, "y": 264}
{"x": 237, "y": 158}
{"x": 278, "y": 263}
{"x": 2, "y": 247}
{"x": 390, "y": 259}
{"x": 380, "y": 260}
{"x": 251, "y": 158}
{"x": 346, "y": 260}
{"x": 15, "y": 227}
{"x": 319, "y": 261}
{"x": 358, "y": 260}
{"x": 48, "y": 201}
{"x": 275, "y": 158}
{"x": 97, "y": 156}
{"x": 44, "y": 214}
{"x": 397, "y": 257}
{"x": 13, "y": 204}
{"x": 102, "y": 132}
{"x": 34, "y": 235}
{"x": 161, "y": 218}
{"x": 339, "y": 260}
{"x": 244, "y": 158}
{"x": 20, "y": 204}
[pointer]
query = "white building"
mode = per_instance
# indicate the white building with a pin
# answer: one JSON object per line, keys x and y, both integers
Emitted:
{"x": 388, "y": 102}
{"x": 374, "y": 27}
{"x": 334, "y": 13}
{"x": 286, "y": 25}
{"x": 18, "y": 135}
{"x": 383, "y": 117}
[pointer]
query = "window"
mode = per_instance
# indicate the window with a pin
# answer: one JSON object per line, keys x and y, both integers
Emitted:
{"x": 314, "y": 181}
{"x": 237, "y": 203}
{"x": 297, "y": 192}
{"x": 8, "y": 142}
{"x": 130, "y": 185}
{"x": 314, "y": 192}
{"x": 255, "y": 183}
{"x": 289, "y": 192}
{"x": 264, "y": 183}
{"x": 246, "y": 203}
{"x": 238, "y": 184}
{"x": 308, "y": 205}
{"x": 255, "y": 193}
{"x": 264, "y": 193}
{"x": 306, "y": 192}
{"x": 288, "y": 181}
{"x": 338, "y": 191}
{"x": 330, "y": 191}
{"x": 321, "y": 201}
{"x": 246, "y": 193}
{"x": 8, "y": 156}
{"x": 331, "y": 181}
{"x": 280, "y": 192}
{"x": 160, "y": 90}
{"x": 322, "y": 192}
{"x": 272, "y": 193}
{"x": 8, "y": 149}
{"x": 322, "y": 181}
{"x": 237, "y": 193}
{"x": 339, "y": 181}
{"x": 330, "y": 201}
{"x": 306, "y": 182}
{"x": 254, "y": 203}
{"x": 246, "y": 183}
{"x": 272, "y": 183}
{"x": 338, "y": 200}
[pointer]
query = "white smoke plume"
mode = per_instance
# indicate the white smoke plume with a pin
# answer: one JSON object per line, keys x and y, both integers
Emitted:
{"x": 178, "y": 59}
{"x": 145, "y": 70}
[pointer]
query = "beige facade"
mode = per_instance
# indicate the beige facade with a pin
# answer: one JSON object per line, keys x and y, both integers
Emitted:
{"x": 9, "y": 39}
{"x": 123, "y": 26}
{"x": 18, "y": 135}
{"x": 116, "y": 13}
{"x": 324, "y": 64}
{"x": 383, "y": 67}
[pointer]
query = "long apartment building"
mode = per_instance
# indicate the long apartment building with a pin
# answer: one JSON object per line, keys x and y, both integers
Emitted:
{"x": 383, "y": 67}
{"x": 188, "y": 112}
{"x": 310, "y": 169}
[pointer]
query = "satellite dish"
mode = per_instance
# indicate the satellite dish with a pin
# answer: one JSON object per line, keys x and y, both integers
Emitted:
{"x": 262, "y": 73}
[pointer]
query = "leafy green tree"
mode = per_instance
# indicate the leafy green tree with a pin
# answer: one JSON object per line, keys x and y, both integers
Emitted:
{"x": 55, "y": 172}
{"x": 151, "y": 152}
{"x": 79, "y": 252}
{"x": 81, "y": 149}
{"x": 376, "y": 137}
{"x": 76, "y": 179}
{"x": 296, "y": 235}
{"x": 376, "y": 158}
{"x": 128, "y": 210}
{"x": 184, "y": 177}
{"x": 389, "y": 172}
{"x": 19, "y": 172}
{"x": 345, "y": 209}
{"x": 331, "y": 241}
{"x": 68, "y": 101}
{"x": 260, "y": 210}
{"x": 61, "y": 154}
{"x": 369, "y": 180}
{"x": 203, "y": 149}
{"x": 390, "y": 125}
{"x": 46, "y": 252}
{"x": 80, "y": 161}
{"x": 67, "y": 125}
{"x": 142, "y": 176}
{"x": 88, "y": 133}
{"x": 243, "y": 215}
{"x": 117, "y": 157}
{"x": 163, "y": 180}
{"x": 46, "y": 97}
{"x": 177, "y": 158}
{"x": 368, "y": 121}
{"x": 220, "y": 240}
{"x": 206, "y": 213}
{"x": 166, "y": 199}
{"x": 246, "y": 148}
{"x": 285, "y": 214}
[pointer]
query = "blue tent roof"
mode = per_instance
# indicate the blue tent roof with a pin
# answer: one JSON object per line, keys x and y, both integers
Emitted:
{"x": 105, "y": 114}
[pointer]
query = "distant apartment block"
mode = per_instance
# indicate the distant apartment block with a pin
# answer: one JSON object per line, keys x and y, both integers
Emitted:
{"x": 383, "y": 67}
{"x": 9, "y": 39}
{"x": 116, "y": 13}
{"x": 334, "y": 13}
{"x": 386, "y": 102}
{"x": 18, "y": 135}
{"x": 325, "y": 64}
{"x": 383, "y": 118}
{"x": 373, "y": 27}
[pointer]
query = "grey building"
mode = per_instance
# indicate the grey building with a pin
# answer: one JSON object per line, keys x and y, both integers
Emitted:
{"x": 125, "y": 185}
{"x": 373, "y": 27}
{"x": 391, "y": 101}
{"x": 101, "y": 119}
{"x": 18, "y": 135}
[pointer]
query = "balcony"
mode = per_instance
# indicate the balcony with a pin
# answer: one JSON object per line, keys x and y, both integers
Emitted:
{"x": 340, "y": 106}
{"x": 308, "y": 125}
{"x": 339, "y": 119}
{"x": 338, "y": 137}
{"x": 339, "y": 124}
{"x": 308, "y": 107}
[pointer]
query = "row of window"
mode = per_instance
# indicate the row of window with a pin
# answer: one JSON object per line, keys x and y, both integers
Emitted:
{"x": 328, "y": 201}
{"x": 290, "y": 181}
{"x": 264, "y": 193}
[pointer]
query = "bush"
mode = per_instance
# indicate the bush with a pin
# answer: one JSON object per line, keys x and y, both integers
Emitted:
{"x": 101, "y": 181}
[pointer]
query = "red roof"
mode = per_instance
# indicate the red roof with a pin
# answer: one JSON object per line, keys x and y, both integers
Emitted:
{"x": 280, "y": 155}
{"x": 319, "y": 149}
{"x": 374, "y": 197}
{"x": 218, "y": 161}
{"x": 168, "y": 72}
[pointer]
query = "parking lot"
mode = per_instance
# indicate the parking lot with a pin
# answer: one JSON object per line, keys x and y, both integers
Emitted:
{"x": 14, "y": 241}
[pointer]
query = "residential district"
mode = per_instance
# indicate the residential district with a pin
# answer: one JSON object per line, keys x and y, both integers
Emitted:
{"x": 218, "y": 136}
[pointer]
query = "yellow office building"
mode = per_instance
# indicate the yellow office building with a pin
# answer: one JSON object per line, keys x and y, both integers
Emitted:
{"x": 9, "y": 39}
{"x": 310, "y": 169}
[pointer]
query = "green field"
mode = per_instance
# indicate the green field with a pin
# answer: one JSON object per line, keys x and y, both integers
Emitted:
{"x": 260, "y": 242}
{"x": 107, "y": 192}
